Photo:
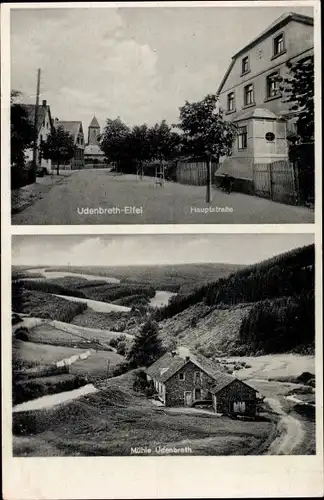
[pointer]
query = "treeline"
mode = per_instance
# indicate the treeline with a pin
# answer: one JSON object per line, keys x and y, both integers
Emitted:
{"x": 112, "y": 293}
{"x": 288, "y": 274}
{"x": 50, "y": 287}
{"x": 281, "y": 325}
{"x": 43, "y": 305}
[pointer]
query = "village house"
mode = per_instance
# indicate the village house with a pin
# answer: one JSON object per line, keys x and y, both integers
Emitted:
{"x": 250, "y": 97}
{"x": 44, "y": 127}
{"x": 75, "y": 129}
{"x": 92, "y": 151}
{"x": 182, "y": 380}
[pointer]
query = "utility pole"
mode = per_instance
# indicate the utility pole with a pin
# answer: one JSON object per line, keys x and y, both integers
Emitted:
{"x": 208, "y": 182}
{"x": 35, "y": 125}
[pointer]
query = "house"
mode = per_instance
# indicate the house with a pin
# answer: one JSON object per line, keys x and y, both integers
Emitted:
{"x": 181, "y": 380}
{"x": 44, "y": 127}
{"x": 75, "y": 129}
{"x": 93, "y": 152}
{"x": 250, "y": 97}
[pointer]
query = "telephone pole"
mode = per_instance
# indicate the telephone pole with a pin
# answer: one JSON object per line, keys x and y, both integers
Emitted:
{"x": 209, "y": 182}
{"x": 35, "y": 125}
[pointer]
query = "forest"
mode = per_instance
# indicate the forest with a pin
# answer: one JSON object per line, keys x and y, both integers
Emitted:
{"x": 281, "y": 290}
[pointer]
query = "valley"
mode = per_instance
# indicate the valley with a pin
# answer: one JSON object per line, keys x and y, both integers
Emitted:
{"x": 75, "y": 328}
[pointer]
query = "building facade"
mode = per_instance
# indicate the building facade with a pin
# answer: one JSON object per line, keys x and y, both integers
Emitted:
{"x": 249, "y": 94}
{"x": 44, "y": 127}
{"x": 75, "y": 129}
{"x": 184, "y": 381}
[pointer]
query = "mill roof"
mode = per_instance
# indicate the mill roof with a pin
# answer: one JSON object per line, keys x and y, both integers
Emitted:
{"x": 169, "y": 364}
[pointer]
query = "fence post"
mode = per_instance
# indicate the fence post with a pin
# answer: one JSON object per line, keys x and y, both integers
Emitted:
{"x": 270, "y": 174}
{"x": 295, "y": 172}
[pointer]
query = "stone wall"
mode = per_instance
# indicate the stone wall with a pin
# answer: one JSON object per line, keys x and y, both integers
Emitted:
{"x": 176, "y": 387}
{"x": 235, "y": 392}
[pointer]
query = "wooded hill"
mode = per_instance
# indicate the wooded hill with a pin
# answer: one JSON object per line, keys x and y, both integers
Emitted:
{"x": 280, "y": 292}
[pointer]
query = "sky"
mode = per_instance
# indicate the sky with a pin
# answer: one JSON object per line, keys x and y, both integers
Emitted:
{"x": 137, "y": 63}
{"x": 77, "y": 250}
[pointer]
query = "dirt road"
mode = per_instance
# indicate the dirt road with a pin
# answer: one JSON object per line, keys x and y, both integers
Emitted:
{"x": 290, "y": 429}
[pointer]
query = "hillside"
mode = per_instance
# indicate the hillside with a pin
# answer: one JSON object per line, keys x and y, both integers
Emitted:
{"x": 261, "y": 309}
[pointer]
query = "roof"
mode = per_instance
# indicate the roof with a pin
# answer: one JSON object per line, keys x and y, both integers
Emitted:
{"x": 224, "y": 381}
{"x": 94, "y": 123}
{"x": 93, "y": 149}
{"x": 72, "y": 128}
{"x": 262, "y": 113}
{"x": 276, "y": 25}
{"x": 42, "y": 110}
{"x": 168, "y": 365}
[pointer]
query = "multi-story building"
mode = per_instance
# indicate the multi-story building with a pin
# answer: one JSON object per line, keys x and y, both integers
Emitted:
{"x": 44, "y": 127}
{"x": 75, "y": 129}
{"x": 250, "y": 96}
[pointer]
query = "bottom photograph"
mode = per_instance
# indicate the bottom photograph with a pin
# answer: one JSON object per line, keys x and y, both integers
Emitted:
{"x": 163, "y": 345}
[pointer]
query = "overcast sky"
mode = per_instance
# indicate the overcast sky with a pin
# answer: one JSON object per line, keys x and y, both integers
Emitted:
{"x": 152, "y": 249}
{"x": 137, "y": 63}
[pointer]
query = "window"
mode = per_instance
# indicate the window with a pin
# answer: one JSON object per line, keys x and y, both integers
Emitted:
{"x": 242, "y": 138}
{"x": 245, "y": 65}
{"x": 181, "y": 376}
{"x": 248, "y": 95}
{"x": 230, "y": 102}
{"x": 273, "y": 89}
{"x": 198, "y": 376}
{"x": 278, "y": 45}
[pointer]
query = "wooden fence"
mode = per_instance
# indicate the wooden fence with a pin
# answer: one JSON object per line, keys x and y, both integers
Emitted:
{"x": 193, "y": 172}
{"x": 277, "y": 181}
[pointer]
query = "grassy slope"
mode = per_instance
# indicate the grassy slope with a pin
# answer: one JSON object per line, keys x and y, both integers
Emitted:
{"x": 205, "y": 326}
{"x": 111, "y": 421}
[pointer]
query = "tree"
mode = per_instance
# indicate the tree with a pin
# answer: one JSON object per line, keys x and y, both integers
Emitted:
{"x": 205, "y": 133}
{"x": 147, "y": 346}
{"x": 59, "y": 146}
{"x": 298, "y": 90}
{"x": 114, "y": 141}
{"x": 139, "y": 146}
{"x": 22, "y": 130}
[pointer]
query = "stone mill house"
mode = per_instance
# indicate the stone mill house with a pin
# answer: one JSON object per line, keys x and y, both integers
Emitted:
{"x": 185, "y": 380}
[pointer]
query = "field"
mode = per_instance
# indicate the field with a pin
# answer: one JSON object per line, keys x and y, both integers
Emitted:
{"x": 115, "y": 419}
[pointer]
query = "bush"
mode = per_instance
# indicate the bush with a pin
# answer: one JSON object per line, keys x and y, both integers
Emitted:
{"x": 113, "y": 343}
{"x": 22, "y": 334}
{"x": 121, "y": 348}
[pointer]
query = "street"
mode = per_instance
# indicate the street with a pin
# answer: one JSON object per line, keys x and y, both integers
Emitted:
{"x": 101, "y": 197}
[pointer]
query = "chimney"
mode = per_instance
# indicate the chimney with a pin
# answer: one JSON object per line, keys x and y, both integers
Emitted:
{"x": 187, "y": 358}
{"x": 44, "y": 104}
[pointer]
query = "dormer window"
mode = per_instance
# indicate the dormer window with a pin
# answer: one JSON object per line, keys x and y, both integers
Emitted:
{"x": 278, "y": 45}
{"x": 245, "y": 65}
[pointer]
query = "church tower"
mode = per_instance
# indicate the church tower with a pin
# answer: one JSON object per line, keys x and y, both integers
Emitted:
{"x": 93, "y": 131}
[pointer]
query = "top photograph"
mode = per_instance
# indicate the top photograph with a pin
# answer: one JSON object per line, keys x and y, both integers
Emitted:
{"x": 162, "y": 115}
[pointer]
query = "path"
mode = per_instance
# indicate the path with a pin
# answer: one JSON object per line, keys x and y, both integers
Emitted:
{"x": 291, "y": 431}
{"x": 107, "y": 195}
